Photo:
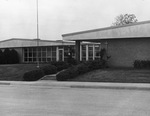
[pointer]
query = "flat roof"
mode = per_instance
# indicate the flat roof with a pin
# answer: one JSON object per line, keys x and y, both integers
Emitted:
{"x": 133, "y": 30}
{"x": 107, "y": 28}
{"x": 18, "y": 42}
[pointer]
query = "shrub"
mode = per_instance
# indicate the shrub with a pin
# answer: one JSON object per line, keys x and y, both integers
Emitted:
{"x": 60, "y": 65}
{"x": 49, "y": 69}
{"x": 63, "y": 76}
{"x": 140, "y": 64}
{"x": 67, "y": 74}
{"x": 72, "y": 61}
{"x": 33, "y": 75}
{"x": 96, "y": 64}
{"x": 80, "y": 69}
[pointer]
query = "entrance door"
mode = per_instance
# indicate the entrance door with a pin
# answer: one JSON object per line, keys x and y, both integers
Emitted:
{"x": 61, "y": 55}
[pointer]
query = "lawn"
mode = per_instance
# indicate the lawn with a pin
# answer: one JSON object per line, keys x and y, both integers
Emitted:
{"x": 15, "y": 72}
{"x": 124, "y": 75}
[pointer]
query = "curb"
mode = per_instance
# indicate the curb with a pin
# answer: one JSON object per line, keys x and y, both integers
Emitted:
{"x": 112, "y": 87}
{"x": 88, "y": 85}
{"x": 4, "y": 83}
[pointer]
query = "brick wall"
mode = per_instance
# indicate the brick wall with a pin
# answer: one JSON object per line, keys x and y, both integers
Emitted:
{"x": 125, "y": 51}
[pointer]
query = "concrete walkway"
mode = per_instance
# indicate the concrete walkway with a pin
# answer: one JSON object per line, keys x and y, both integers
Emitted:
{"x": 92, "y": 85}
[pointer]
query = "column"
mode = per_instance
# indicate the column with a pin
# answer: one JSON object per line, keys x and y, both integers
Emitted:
{"x": 77, "y": 46}
{"x": 57, "y": 53}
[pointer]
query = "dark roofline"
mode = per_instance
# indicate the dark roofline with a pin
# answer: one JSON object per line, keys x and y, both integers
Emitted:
{"x": 106, "y": 28}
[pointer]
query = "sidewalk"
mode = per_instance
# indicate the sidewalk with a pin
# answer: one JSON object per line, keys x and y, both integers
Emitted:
{"x": 92, "y": 85}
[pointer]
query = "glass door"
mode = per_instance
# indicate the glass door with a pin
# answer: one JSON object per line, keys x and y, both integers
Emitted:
{"x": 61, "y": 54}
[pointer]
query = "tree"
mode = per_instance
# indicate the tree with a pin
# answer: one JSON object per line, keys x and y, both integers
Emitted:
{"x": 14, "y": 56}
{"x": 7, "y": 56}
{"x": 10, "y": 56}
{"x": 124, "y": 19}
{"x": 1, "y": 57}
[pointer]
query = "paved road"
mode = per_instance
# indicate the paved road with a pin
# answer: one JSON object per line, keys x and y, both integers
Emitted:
{"x": 23, "y": 100}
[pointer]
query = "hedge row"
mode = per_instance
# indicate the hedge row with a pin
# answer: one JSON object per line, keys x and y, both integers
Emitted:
{"x": 79, "y": 69}
{"x": 140, "y": 64}
{"x": 39, "y": 73}
{"x": 60, "y": 65}
{"x": 49, "y": 69}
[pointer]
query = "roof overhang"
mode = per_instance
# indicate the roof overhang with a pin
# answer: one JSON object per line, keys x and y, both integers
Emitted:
{"x": 134, "y": 30}
{"x": 15, "y": 43}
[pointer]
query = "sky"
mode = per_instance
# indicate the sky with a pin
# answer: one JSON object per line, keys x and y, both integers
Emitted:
{"x": 57, "y": 17}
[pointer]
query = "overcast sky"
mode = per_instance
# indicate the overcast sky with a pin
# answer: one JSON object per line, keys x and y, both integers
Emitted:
{"x": 57, "y": 17}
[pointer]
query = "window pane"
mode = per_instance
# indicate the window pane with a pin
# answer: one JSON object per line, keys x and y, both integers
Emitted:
{"x": 26, "y": 59}
{"x": 25, "y": 49}
{"x": 43, "y": 54}
{"x": 30, "y": 59}
{"x": 44, "y": 49}
{"x": 39, "y": 59}
{"x": 48, "y": 59}
{"x": 53, "y": 54}
{"x": 39, "y": 49}
{"x": 83, "y": 47}
{"x": 54, "y": 49}
{"x": 34, "y": 59}
{"x": 34, "y": 54}
{"x": 49, "y": 49}
{"x": 30, "y": 49}
{"x": 44, "y": 59}
{"x": 25, "y": 55}
{"x": 39, "y": 54}
{"x": 30, "y": 54}
{"x": 53, "y": 59}
{"x": 49, "y": 54}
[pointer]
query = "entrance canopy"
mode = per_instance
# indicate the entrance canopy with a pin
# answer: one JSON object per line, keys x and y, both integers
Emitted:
{"x": 134, "y": 30}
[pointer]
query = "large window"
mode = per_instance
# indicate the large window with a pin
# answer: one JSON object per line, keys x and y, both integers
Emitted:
{"x": 45, "y": 54}
{"x": 90, "y": 52}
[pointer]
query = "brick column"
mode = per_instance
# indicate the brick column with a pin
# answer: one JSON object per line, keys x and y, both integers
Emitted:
{"x": 77, "y": 51}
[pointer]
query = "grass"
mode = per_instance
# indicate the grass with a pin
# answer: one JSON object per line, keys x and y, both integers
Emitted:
{"x": 123, "y": 75}
{"x": 15, "y": 72}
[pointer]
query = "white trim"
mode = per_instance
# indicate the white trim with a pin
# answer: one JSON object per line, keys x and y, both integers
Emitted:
{"x": 80, "y": 52}
{"x": 93, "y": 52}
{"x": 57, "y": 54}
{"x": 87, "y": 52}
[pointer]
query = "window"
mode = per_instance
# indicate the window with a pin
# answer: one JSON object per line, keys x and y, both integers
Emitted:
{"x": 53, "y": 53}
{"x": 97, "y": 52}
{"x": 83, "y": 52}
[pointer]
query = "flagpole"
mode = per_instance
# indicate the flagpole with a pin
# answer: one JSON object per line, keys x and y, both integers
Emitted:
{"x": 37, "y": 14}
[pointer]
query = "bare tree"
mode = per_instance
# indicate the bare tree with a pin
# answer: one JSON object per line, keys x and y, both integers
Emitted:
{"x": 124, "y": 19}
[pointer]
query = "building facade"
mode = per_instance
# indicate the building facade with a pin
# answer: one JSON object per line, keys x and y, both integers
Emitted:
{"x": 124, "y": 44}
{"x": 33, "y": 50}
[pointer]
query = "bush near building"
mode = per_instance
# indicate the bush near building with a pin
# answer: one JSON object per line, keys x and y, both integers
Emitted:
{"x": 142, "y": 64}
{"x": 60, "y": 65}
{"x": 9, "y": 56}
{"x": 49, "y": 69}
{"x": 35, "y": 75}
{"x": 79, "y": 69}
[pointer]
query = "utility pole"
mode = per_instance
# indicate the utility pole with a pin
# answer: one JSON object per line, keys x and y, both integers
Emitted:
{"x": 37, "y": 21}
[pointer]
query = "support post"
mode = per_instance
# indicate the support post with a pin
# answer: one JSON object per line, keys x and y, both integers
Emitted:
{"x": 78, "y": 50}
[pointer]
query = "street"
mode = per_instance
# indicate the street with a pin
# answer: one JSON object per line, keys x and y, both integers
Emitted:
{"x": 23, "y": 100}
